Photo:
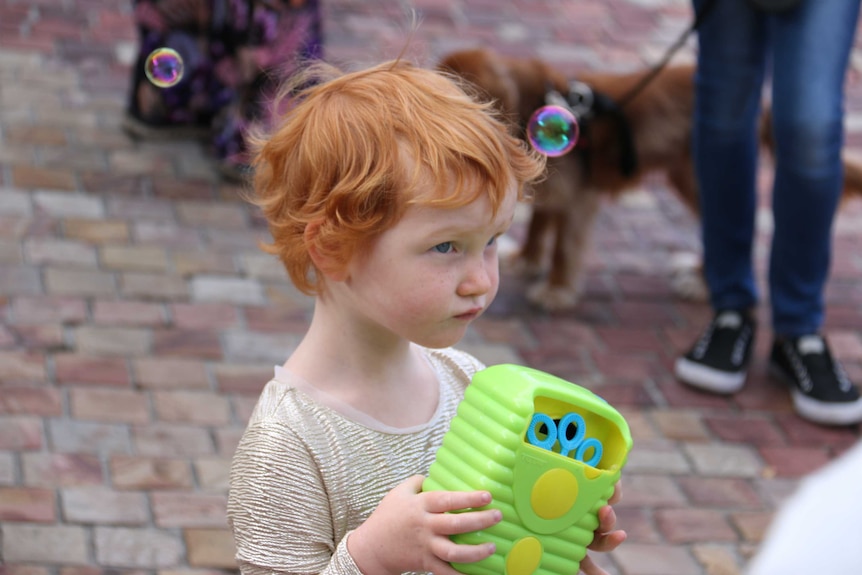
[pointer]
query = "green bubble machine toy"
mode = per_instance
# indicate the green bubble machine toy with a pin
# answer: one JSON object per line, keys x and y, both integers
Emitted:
{"x": 548, "y": 451}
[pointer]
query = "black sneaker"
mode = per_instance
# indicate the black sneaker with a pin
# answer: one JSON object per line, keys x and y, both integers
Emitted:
{"x": 718, "y": 361}
{"x": 821, "y": 390}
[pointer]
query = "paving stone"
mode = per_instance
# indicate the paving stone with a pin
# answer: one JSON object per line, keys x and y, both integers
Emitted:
{"x": 133, "y": 258}
{"x": 19, "y": 280}
{"x": 45, "y": 402}
{"x": 144, "y": 548}
{"x": 189, "y": 509}
{"x": 27, "y": 504}
{"x": 242, "y": 378}
{"x": 7, "y": 468}
{"x": 681, "y": 425}
{"x": 694, "y": 525}
{"x": 20, "y": 433}
{"x": 202, "y": 214}
{"x": 100, "y": 505}
{"x": 170, "y": 373}
{"x": 165, "y": 233}
{"x": 663, "y": 458}
{"x": 172, "y": 440}
{"x": 41, "y": 177}
{"x": 246, "y": 347}
{"x": 718, "y": 559}
{"x": 147, "y": 473}
{"x": 69, "y": 436}
{"x": 724, "y": 460}
{"x": 720, "y": 492}
{"x": 217, "y": 316}
{"x": 128, "y": 313}
{"x": 112, "y": 341}
{"x": 96, "y": 231}
{"x": 53, "y": 544}
{"x": 243, "y": 406}
{"x": 795, "y": 462}
{"x": 22, "y": 367}
{"x": 68, "y": 253}
{"x": 75, "y": 282}
{"x": 651, "y": 491}
{"x": 240, "y": 291}
{"x": 195, "y": 407}
{"x": 188, "y": 263}
{"x": 227, "y": 440}
{"x": 644, "y": 559}
{"x": 187, "y": 343}
{"x": 152, "y": 286}
{"x": 40, "y": 337}
{"x": 758, "y": 431}
{"x": 48, "y": 309}
{"x": 66, "y": 205}
{"x": 753, "y": 524}
{"x": 79, "y": 369}
{"x": 263, "y": 266}
{"x": 15, "y": 202}
{"x": 61, "y": 470}
{"x": 109, "y": 405}
{"x": 210, "y": 548}
{"x": 292, "y": 319}
{"x": 213, "y": 474}
{"x": 10, "y": 253}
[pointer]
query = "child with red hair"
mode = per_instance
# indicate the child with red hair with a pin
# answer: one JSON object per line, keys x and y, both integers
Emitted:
{"x": 385, "y": 191}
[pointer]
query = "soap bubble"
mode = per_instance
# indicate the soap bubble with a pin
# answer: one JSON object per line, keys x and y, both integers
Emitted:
{"x": 164, "y": 67}
{"x": 552, "y": 130}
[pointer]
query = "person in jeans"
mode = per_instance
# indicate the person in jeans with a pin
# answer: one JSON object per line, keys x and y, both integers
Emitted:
{"x": 806, "y": 49}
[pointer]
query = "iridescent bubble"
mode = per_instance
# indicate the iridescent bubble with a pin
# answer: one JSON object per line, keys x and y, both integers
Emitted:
{"x": 164, "y": 67}
{"x": 552, "y": 130}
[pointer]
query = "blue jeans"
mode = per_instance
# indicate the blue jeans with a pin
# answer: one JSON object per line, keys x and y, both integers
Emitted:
{"x": 806, "y": 52}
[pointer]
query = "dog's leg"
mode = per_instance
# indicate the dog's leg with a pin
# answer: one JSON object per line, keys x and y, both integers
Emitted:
{"x": 531, "y": 259}
{"x": 574, "y": 226}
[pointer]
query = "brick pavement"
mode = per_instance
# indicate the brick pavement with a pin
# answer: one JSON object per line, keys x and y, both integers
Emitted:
{"x": 138, "y": 320}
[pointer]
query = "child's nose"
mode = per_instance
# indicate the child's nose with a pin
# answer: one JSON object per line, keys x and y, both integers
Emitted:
{"x": 479, "y": 279}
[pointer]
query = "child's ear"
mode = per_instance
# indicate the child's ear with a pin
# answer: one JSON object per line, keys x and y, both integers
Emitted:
{"x": 331, "y": 269}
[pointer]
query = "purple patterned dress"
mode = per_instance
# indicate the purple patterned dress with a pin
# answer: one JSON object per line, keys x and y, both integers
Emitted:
{"x": 233, "y": 52}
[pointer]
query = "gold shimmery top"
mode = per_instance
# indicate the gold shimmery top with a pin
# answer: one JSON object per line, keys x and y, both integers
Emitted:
{"x": 308, "y": 470}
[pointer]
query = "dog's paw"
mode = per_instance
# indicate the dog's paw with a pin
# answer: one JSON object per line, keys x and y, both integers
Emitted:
{"x": 552, "y": 298}
{"x": 686, "y": 277}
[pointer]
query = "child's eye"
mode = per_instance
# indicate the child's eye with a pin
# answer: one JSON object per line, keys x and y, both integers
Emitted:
{"x": 443, "y": 248}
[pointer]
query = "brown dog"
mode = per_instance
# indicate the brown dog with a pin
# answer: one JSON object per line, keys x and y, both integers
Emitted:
{"x": 620, "y": 143}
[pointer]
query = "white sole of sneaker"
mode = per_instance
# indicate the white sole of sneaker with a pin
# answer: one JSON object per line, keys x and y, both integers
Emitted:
{"x": 827, "y": 413}
{"x": 816, "y": 411}
{"x": 708, "y": 379}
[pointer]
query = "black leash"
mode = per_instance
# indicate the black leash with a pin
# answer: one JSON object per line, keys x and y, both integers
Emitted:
{"x": 645, "y": 80}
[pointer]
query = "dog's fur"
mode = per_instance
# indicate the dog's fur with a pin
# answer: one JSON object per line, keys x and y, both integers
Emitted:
{"x": 568, "y": 200}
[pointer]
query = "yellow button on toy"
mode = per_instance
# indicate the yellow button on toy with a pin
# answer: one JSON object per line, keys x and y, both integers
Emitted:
{"x": 554, "y": 493}
{"x": 524, "y": 557}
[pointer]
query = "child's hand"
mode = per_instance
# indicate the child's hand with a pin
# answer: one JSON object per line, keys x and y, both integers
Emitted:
{"x": 606, "y": 538}
{"x": 409, "y": 531}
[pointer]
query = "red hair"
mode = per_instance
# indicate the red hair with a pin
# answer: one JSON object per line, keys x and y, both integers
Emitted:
{"x": 354, "y": 150}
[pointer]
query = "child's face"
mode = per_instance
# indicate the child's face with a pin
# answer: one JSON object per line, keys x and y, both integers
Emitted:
{"x": 434, "y": 272}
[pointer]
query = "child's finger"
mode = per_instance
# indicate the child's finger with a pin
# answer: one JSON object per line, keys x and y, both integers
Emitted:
{"x": 443, "y": 501}
{"x": 607, "y": 519}
{"x": 589, "y": 567}
{"x": 608, "y": 541}
{"x": 447, "y": 550}
{"x": 454, "y": 523}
